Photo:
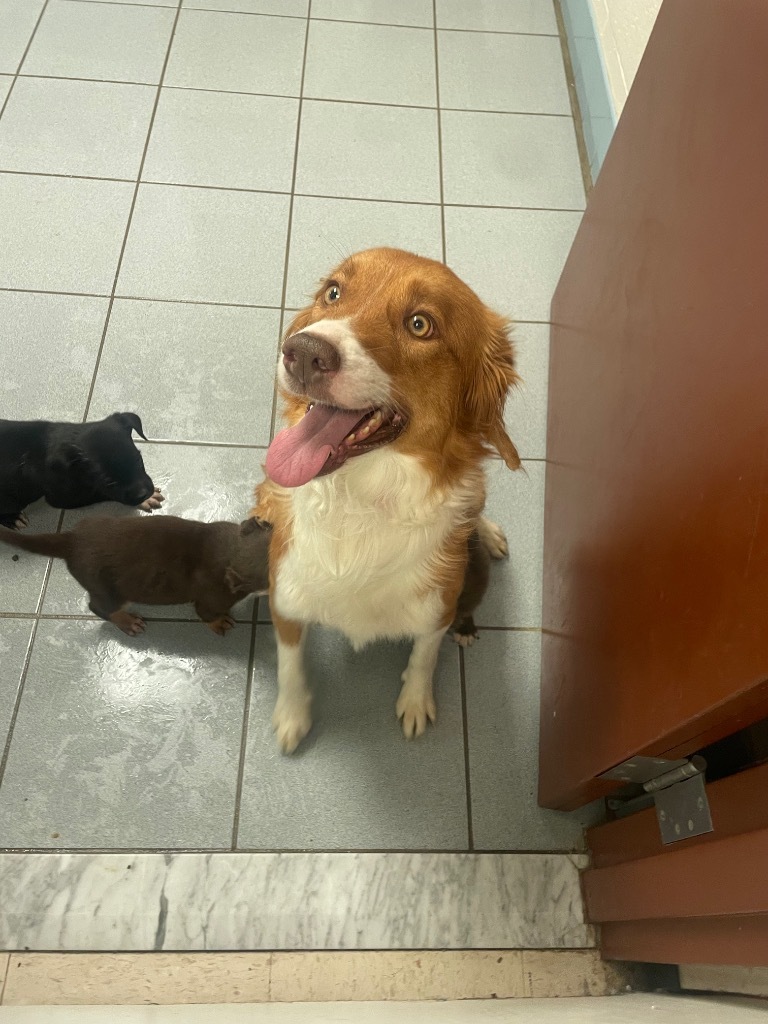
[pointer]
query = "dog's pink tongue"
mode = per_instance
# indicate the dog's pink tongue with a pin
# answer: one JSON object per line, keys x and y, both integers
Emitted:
{"x": 297, "y": 454}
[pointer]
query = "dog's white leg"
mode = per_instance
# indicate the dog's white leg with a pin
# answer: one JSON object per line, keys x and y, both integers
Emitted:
{"x": 416, "y": 703}
{"x": 291, "y": 719}
{"x": 492, "y": 538}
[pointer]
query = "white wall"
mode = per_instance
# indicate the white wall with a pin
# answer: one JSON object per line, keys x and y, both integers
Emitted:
{"x": 623, "y": 28}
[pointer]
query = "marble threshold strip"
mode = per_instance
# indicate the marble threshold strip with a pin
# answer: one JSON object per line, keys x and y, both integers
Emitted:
{"x": 63, "y": 902}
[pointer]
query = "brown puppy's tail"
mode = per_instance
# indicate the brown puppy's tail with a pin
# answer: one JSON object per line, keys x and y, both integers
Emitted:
{"x": 57, "y": 545}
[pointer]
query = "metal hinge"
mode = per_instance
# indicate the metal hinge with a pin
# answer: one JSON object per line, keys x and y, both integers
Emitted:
{"x": 677, "y": 790}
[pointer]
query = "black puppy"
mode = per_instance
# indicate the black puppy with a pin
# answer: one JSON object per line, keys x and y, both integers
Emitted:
{"x": 72, "y": 465}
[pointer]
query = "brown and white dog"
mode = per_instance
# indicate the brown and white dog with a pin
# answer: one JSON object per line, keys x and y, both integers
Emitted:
{"x": 394, "y": 382}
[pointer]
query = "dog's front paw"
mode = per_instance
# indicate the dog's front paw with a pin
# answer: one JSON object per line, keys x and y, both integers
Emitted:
{"x": 130, "y": 624}
{"x": 152, "y": 503}
{"x": 14, "y": 520}
{"x": 492, "y": 537}
{"x": 291, "y": 721}
{"x": 415, "y": 707}
{"x": 222, "y": 625}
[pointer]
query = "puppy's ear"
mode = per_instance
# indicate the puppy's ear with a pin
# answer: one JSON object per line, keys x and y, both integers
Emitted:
{"x": 249, "y": 526}
{"x": 130, "y": 421}
{"x": 488, "y": 388}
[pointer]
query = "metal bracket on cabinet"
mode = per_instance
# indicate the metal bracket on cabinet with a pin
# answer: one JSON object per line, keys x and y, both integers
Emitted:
{"x": 676, "y": 789}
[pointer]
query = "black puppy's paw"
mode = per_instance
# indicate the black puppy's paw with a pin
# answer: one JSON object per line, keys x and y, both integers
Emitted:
{"x": 464, "y": 633}
{"x": 152, "y": 503}
{"x": 14, "y": 520}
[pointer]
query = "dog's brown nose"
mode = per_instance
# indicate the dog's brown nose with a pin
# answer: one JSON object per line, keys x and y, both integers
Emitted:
{"x": 309, "y": 358}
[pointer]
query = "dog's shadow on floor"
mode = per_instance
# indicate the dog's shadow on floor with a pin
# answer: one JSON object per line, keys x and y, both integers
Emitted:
{"x": 360, "y": 783}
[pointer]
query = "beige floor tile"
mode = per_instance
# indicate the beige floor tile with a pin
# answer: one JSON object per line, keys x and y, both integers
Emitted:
{"x": 89, "y": 978}
{"x": 452, "y": 974}
{"x": 180, "y": 978}
{"x": 562, "y": 973}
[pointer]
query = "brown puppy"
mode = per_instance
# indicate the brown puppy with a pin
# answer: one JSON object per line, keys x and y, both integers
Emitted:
{"x": 164, "y": 560}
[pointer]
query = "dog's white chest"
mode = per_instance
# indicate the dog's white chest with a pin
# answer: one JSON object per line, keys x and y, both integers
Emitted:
{"x": 362, "y": 551}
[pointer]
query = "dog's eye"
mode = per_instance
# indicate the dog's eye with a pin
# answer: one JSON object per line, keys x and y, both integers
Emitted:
{"x": 332, "y": 293}
{"x": 420, "y": 325}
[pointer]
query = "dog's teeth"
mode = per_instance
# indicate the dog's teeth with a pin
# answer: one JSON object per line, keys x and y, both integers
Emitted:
{"x": 350, "y": 438}
{"x": 365, "y": 431}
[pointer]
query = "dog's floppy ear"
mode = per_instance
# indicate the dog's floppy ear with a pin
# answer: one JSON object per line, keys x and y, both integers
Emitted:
{"x": 488, "y": 388}
{"x": 130, "y": 421}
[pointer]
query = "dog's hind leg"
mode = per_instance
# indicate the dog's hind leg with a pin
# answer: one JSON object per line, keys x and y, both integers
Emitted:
{"x": 112, "y": 609}
{"x": 292, "y": 718}
{"x": 217, "y": 621}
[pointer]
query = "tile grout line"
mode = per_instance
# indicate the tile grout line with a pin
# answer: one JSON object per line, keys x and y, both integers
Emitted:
{"x": 19, "y": 66}
{"x": 141, "y": 298}
{"x": 127, "y": 3}
{"x": 130, "y": 212}
{"x": 277, "y": 192}
{"x": 4, "y": 981}
{"x": 83, "y": 617}
{"x": 292, "y": 200}
{"x": 570, "y": 79}
{"x": 199, "y": 302}
{"x": 329, "y": 21}
{"x": 287, "y": 96}
{"x": 250, "y": 851}
{"x": 273, "y": 417}
{"x": 246, "y": 722}
{"x": 240, "y": 445}
{"x": 465, "y": 728}
{"x": 439, "y": 131}
{"x": 237, "y": 305}
{"x": 268, "y": 622}
{"x": 27, "y": 659}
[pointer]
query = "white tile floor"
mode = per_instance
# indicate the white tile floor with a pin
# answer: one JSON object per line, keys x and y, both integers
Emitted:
{"x": 172, "y": 180}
